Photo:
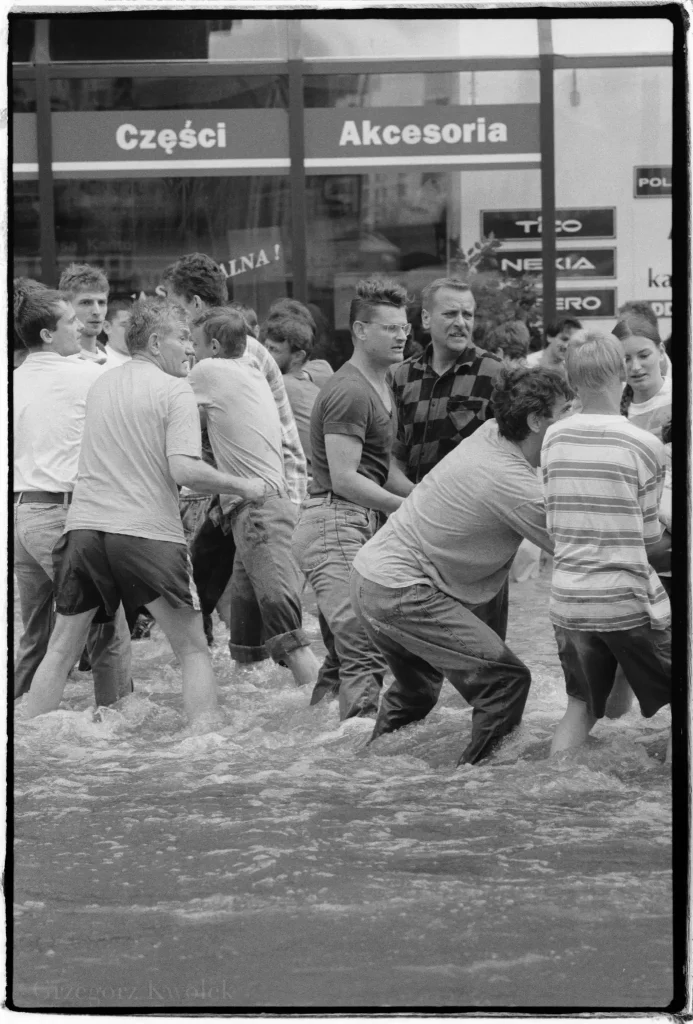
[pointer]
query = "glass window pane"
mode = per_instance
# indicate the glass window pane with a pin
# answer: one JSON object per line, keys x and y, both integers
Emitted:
{"x": 121, "y": 39}
{"x": 23, "y": 96}
{"x": 21, "y": 33}
{"x": 599, "y": 149}
{"x": 419, "y": 37}
{"x": 235, "y": 92}
{"x": 574, "y": 36}
{"x": 133, "y": 228}
{"x": 24, "y": 202}
{"x": 439, "y": 88}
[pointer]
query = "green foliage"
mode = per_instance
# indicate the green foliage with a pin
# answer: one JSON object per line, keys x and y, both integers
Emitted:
{"x": 499, "y": 297}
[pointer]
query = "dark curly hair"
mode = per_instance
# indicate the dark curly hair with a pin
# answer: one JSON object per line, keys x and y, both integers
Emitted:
{"x": 523, "y": 390}
{"x": 373, "y": 292}
{"x": 197, "y": 274}
{"x": 297, "y": 332}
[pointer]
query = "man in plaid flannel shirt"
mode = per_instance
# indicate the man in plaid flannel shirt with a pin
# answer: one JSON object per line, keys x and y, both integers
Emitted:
{"x": 442, "y": 396}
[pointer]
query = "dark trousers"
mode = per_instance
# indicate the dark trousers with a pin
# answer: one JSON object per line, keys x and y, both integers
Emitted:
{"x": 426, "y": 636}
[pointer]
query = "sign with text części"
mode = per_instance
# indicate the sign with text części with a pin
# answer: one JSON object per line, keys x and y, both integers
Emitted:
{"x": 573, "y": 223}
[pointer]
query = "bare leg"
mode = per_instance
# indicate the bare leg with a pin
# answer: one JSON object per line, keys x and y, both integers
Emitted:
{"x": 304, "y": 665}
{"x": 574, "y": 727}
{"x": 183, "y": 629}
{"x": 67, "y": 641}
{"x": 621, "y": 697}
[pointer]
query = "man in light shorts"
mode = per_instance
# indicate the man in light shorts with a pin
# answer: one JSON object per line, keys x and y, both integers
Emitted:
{"x": 124, "y": 538}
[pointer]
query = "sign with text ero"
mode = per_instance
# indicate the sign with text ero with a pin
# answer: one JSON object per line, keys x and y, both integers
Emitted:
{"x": 569, "y": 262}
{"x": 572, "y": 223}
{"x": 596, "y": 302}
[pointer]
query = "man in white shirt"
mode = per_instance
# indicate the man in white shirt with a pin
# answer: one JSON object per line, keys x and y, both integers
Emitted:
{"x": 86, "y": 287}
{"x": 115, "y": 324}
{"x": 123, "y": 537}
{"x": 50, "y": 392}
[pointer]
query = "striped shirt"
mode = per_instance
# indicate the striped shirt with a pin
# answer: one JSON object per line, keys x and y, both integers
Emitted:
{"x": 603, "y": 480}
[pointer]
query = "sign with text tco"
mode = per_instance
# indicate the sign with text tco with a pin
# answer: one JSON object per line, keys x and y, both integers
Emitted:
{"x": 573, "y": 223}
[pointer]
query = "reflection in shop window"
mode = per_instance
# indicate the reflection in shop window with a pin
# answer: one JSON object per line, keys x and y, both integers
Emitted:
{"x": 436, "y": 88}
{"x": 24, "y": 203}
{"x": 21, "y": 39}
{"x": 210, "y": 93}
{"x": 121, "y": 39}
{"x": 23, "y": 96}
{"x": 134, "y": 228}
{"x": 419, "y": 37}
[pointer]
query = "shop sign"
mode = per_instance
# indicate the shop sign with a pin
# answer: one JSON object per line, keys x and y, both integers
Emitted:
{"x": 661, "y": 307}
{"x": 573, "y": 223}
{"x": 256, "y": 253}
{"x": 596, "y": 302}
{"x": 569, "y": 262}
{"x": 657, "y": 280}
{"x": 391, "y": 136}
{"x": 650, "y": 182}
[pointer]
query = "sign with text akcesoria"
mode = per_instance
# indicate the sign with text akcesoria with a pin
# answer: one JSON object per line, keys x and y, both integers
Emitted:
{"x": 479, "y": 136}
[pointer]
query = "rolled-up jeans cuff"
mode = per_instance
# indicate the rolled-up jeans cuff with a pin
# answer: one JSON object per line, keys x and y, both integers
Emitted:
{"x": 286, "y": 643}
{"x": 247, "y": 655}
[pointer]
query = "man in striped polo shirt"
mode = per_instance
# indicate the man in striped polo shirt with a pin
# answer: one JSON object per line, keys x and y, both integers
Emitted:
{"x": 603, "y": 479}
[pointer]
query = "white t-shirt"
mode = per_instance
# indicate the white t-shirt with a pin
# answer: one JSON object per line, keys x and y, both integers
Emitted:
{"x": 655, "y": 413}
{"x": 114, "y": 358}
{"x": 137, "y": 416}
{"x": 242, "y": 420}
{"x": 50, "y": 395}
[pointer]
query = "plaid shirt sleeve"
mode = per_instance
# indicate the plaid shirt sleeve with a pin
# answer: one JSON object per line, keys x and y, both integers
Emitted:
{"x": 295, "y": 470}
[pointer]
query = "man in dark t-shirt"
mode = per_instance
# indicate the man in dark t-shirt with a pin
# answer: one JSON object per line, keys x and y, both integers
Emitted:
{"x": 353, "y": 426}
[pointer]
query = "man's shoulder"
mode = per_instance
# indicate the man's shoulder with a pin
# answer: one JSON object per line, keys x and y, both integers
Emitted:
{"x": 485, "y": 363}
{"x": 614, "y": 431}
{"x": 411, "y": 368}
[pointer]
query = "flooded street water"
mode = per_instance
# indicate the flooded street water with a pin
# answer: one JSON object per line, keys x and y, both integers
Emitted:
{"x": 278, "y": 863}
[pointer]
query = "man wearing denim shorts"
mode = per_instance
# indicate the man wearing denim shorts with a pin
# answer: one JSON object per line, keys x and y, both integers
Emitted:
{"x": 124, "y": 538}
{"x": 604, "y": 479}
{"x": 244, "y": 429}
{"x": 353, "y": 425}
{"x": 427, "y": 587}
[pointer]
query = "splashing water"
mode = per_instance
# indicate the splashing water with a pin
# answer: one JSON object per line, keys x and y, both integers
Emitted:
{"x": 277, "y": 861}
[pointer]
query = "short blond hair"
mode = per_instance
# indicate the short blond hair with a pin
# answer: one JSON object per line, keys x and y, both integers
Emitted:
{"x": 594, "y": 360}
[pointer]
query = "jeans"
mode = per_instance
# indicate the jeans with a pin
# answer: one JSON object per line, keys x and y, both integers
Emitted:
{"x": 37, "y": 529}
{"x": 329, "y": 533}
{"x": 265, "y": 576}
{"x": 425, "y": 635}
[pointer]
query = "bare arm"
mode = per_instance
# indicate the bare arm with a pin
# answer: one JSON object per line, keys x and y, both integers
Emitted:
{"x": 198, "y": 476}
{"x": 343, "y": 457}
{"x": 397, "y": 480}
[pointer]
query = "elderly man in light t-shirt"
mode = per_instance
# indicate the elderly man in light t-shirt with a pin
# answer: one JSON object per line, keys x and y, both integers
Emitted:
{"x": 244, "y": 429}
{"x": 124, "y": 538}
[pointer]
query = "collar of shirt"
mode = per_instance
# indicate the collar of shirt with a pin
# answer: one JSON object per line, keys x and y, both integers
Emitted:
{"x": 424, "y": 362}
{"x": 42, "y": 357}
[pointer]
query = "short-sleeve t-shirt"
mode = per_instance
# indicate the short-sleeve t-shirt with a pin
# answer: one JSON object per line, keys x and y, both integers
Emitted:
{"x": 242, "y": 420}
{"x": 137, "y": 416}
{"x": 302, "y": 393}
{"x": 348, "y": 404}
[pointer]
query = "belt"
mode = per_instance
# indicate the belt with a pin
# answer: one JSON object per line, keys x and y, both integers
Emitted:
{"x": 43, "y": 497}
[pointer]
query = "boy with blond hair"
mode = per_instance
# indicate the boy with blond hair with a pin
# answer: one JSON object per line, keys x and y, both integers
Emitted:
{"x": 603, "y": 480}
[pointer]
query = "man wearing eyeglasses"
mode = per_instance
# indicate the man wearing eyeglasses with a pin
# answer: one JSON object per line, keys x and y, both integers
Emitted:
{"x": 353, "y": 426}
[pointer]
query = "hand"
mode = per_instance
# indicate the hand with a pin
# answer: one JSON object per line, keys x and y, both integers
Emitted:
{"x": 254, "y": 490}
{"x": 659, "y": 554}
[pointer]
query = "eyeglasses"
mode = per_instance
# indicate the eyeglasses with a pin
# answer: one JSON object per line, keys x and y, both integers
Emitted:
{"x": 391, "y": 329}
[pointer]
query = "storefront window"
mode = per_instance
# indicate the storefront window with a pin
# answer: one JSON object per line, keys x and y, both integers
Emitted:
{"x": 24, "y": 203}
{"x": 134, "y": 227}
{"x": 418, "y": 37}
{"x": 582, "y": 36}
{"x": 209, "y": 93}
{"x": 613, "y": 163}
{"x": 23, "y": 96}
{"x": 76, "y": 38}
{"x": 21, "y": 39}
{"x": 399, "y": 186}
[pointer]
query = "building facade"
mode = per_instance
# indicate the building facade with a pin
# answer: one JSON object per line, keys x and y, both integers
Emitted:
{"x": 305, "y": 153}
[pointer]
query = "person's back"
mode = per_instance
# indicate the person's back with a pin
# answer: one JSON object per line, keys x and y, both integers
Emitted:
{"x": 603, "y": 480}
{"x": 302, "y": 393}
{"x": 135, "y": 421}
{"x": 242, "y": 419}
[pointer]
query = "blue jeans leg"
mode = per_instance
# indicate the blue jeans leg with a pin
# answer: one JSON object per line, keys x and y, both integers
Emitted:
{"x": 326, "y": 540}
{"x": 424, "y": 635}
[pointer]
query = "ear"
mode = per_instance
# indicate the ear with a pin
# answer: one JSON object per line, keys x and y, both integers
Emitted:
{"x": 46, "y": 336}
{"x": 198, "y": 304}
{"x": 358, "y": 330}
{"x": 216, "y": 348}
{"x": 153, "y": 343}
{"x": 106, "y": 328}
{"x": 425, "y": 319}
{"x": 534, "y": 422}
{"x": 298, "y": 358}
